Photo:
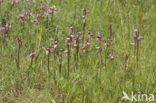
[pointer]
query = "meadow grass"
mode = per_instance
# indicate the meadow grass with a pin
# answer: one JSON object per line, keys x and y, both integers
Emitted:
{"x": 97, "y": 76}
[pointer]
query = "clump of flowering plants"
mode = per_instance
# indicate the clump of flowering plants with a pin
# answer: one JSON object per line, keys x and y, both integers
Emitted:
{"x": 22, "y": 18}
{"x": 5, "y": 29}
{"x": 73, "y": 62}
{"x": 50, "y": 12}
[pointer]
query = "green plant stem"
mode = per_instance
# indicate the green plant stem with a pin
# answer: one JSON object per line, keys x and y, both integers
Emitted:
{"x": 137, "y": 54}
{"x": 31, "y": 63}
{"x": 77, "y": 52}
{"x": 83, "y": 34}
{"x": 0, "y": 12}
{"x": 47, "y": 21}
{"x": 52, "y": 21}
{"x": 105, "y": 57}
{"x": 75, "y": 6}
{"x": 60, "y": 65}
{"x": 18, "y": 57}
{"x": 100, "y": 56}
{"x": 133, "y": 70}
{"x": 68, "y": 60}
{"x": 48, "y": 63}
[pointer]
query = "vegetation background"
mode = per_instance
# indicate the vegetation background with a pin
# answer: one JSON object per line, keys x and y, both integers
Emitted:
{"x": 25, "y": 84}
